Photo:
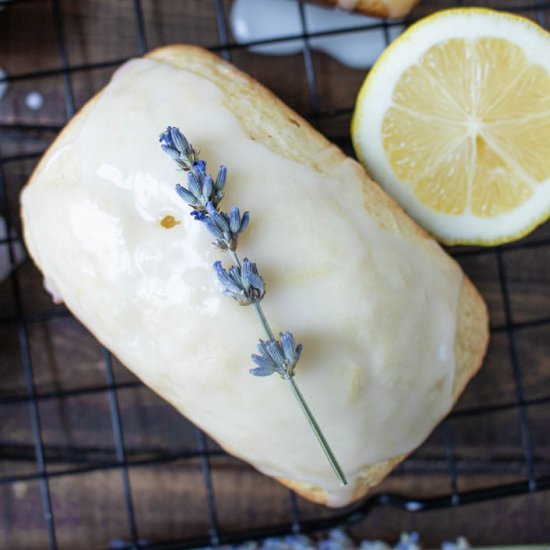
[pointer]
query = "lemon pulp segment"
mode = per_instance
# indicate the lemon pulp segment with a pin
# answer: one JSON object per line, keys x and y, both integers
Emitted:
{"x": 469, "y": 128}
{"x": 466, "y": 128}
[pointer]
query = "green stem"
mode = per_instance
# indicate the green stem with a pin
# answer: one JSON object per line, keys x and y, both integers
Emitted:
{"x": 298, "y": 394}
{"x": 263, "y": 320}
{"x": 318, "y": 433}
{"x": 235, "y": 258}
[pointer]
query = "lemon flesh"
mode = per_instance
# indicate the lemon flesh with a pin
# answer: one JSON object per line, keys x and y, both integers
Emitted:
{"x": 454, "y": 121}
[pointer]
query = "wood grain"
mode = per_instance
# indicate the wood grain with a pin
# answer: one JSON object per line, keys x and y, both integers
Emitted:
{"x": 170, "y": 498}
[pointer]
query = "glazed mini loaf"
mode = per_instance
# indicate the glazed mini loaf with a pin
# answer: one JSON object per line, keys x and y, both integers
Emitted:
{"x": 378, "y": 8}
{"x": 392, "y": 329}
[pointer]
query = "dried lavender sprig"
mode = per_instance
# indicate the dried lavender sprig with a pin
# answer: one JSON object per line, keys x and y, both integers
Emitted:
{"x": 242, "y": 282}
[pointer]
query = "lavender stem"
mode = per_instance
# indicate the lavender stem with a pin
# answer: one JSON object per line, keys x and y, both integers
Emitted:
{"x": 263, "y": 320}
{"x": 298, "y": 394}
{"x": 318, "y": 433}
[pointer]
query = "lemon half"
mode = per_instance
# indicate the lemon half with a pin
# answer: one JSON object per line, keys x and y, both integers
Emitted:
{"x": 454, "y": 122}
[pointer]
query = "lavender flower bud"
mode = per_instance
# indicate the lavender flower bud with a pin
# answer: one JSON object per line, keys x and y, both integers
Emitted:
{"x": 275, "y": 351}
{"x": 236, "y": 223}
{"x": 199, "y": 166}
{"x": 174, "y": 153}
{"x": 218, "y": 224}
{"x": 194, "y": 186}
{"x": 242, "y": 284}
{"x": 265, "y": 362}
{"x": 220, "y": 182}
{"x": 234, "y": 220}
{"x": 265, "y": 367}
{"x": 216, "y": 231}
{"x": 291, "y": 353}
{"x": 199, "y": 215}
{"x": 200, "y": 185}
{"x": 244, "y": 221}
{"x": 277, "y": 356}
{"x": 218, "y": 218}
{"x": 179, "y": 149}
{"x": 207, "y": 189}
{"x": 252, "y": 281}
{"x": 226, "y": 229}
{"x": 231, "y": 282}
{"x": 186, "y": 195}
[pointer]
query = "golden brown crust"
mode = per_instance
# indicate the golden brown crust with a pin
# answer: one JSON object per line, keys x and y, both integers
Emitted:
{"x": 377, "y": 8}
{"x": 471, "y": 344}
{"x": 268, "y": 120}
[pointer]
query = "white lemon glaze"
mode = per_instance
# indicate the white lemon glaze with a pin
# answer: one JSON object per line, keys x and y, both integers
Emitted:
{"x": 375, "y": 310}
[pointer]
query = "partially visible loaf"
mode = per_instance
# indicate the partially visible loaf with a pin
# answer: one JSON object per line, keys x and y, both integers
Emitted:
{"x": 377, "y": 8}
{"x": 344, "y": 265}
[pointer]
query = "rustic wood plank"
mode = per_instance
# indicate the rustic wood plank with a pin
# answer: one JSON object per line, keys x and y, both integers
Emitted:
{"x": 170, "y": 498}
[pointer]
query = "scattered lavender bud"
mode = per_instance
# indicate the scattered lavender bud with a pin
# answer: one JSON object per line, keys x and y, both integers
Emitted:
{"x": 408, "y": 541}
{"x": 34, "y": 101}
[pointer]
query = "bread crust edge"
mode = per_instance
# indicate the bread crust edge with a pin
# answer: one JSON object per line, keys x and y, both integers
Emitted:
{"x": 376, "y": 8}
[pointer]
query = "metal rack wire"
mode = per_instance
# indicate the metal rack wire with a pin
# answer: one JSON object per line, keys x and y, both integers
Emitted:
{"x": 533, "y": 482}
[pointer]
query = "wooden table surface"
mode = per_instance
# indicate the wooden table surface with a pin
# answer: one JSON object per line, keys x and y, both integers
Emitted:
{"x": 170, "y": 497}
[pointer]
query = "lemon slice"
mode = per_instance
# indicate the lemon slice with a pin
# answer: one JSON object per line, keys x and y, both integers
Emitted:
{"x": 454, "y": 122}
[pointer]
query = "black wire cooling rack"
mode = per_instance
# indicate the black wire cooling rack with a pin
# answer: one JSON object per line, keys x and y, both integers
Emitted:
{"x": 534, "y": 475}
